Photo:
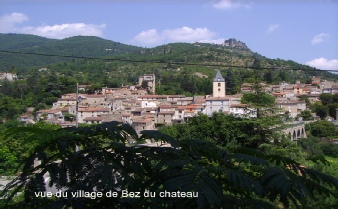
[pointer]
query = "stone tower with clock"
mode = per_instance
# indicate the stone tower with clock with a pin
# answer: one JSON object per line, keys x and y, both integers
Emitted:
{"x": 218, "y": 89}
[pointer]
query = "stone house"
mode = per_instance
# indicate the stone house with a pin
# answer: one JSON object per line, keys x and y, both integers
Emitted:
{"x": 185, "y": 101}
{"x": 93, "y": 99}
{"x": 90, "y": 112}
{"x": 241, "y": 110}
{"x": 215, "y": 104}
{"x": 165, "y": 117}
{"x": 64, "y": 102}
{"x": 142, "y": 123}
{"x": 93, "y": 120}
{"x": 8, "y": 76}
{"x": 178, "y": 116}
{"x": 160, "y": 98}
{"x": 150, "y": 81}
{"x": 292, "y": 106}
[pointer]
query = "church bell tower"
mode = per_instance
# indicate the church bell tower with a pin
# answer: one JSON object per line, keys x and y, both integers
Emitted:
{"x": 218, "y": 89}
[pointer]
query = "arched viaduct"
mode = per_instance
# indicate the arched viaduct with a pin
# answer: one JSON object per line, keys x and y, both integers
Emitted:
{"x": 296, "y": 131}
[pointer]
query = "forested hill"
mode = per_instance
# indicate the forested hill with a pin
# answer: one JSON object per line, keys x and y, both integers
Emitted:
{"x": 88, "y": 46}
{"x": 20, "y": 42}
{"x": 233, "y": 53}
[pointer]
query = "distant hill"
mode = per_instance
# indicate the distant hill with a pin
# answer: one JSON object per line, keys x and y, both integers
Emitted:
{"x": 19, "y": 42}
{"x": 231, "y": 53}
{"x": 88, "y": 46}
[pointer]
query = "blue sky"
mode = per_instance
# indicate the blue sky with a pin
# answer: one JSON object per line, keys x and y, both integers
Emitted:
{"x": 305, "y": 31}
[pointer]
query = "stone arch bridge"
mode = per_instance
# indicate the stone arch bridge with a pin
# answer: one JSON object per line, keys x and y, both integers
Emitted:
{"x": 295, "y": 130}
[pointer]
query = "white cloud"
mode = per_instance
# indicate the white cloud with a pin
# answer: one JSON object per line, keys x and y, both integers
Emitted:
{"x": 213, "y": 41}
{"x": 148, "y": 37}
{"x": 185, "y": 34}
{"x": 317, "y": 39}
{"x": 65, "y": 30}
{"x": 272, "y": 28}
{"x": 230, "y": 4}
{"x": 324, "y": 64}
{"x": 10, "y": 24}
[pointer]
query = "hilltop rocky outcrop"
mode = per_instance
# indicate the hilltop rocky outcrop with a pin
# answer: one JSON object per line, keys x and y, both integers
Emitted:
{"x": 235, "y": 44}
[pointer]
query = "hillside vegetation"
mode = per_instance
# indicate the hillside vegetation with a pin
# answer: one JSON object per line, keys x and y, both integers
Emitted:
{"x": 79, "y": 46}
{"x": 89, "y": 46}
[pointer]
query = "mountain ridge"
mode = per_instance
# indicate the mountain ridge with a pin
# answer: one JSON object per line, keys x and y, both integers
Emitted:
{"x": 231, "y": 52}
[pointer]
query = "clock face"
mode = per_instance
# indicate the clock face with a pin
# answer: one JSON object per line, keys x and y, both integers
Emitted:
{"x": 218, "y": 79}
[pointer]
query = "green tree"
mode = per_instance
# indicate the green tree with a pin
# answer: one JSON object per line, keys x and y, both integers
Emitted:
{"x": 322, "y": 111}
{"x": 311, "y": 146}
{"x": 259, "y": 130}
{"x": 306, "y": 115}
{"x": 268, "y": 76}
{"x": 223, "y": 129}
{"x": 245, "y": 179}
{"x": 332, "y": 110}
{"x": 326, "y": 98}
{"x": 261, "y": 101}
{"x": 69, "y": 117}
{"x": 40, "y": 106}
{"x": 50, "y": 100}
{"x": 322, "y": 128}
{"x": 20, "y": 88}
{"x": 8, "y": 161}
{"x": 232, "y": 82}
{"x": 6, "y": 87}
{"x": 335, "y": 98}
{"x": 329, "y": 149}
{"x": 35, "y": 78}
{"x": 144, "y": 84}
{"x": 10, "y": 108}
{"x": 93, "y": 88}
{"x": 306, "y": 99}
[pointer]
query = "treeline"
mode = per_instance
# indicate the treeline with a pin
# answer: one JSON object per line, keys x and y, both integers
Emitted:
{"x": 39, "y": 90}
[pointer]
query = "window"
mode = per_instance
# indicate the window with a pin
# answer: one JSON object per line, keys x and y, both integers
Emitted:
{"x": 219, "y": 90}
{"x": 219, "y": 84}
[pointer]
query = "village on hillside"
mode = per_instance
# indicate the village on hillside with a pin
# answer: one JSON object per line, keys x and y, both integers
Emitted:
{"x": 144, "y": 110}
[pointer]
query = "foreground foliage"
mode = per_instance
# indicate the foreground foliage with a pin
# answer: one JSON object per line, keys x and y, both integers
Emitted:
{"x": 244, "y": 179}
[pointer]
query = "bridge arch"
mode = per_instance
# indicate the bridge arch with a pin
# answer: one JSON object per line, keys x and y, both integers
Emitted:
{"x": 295, "y": 131}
